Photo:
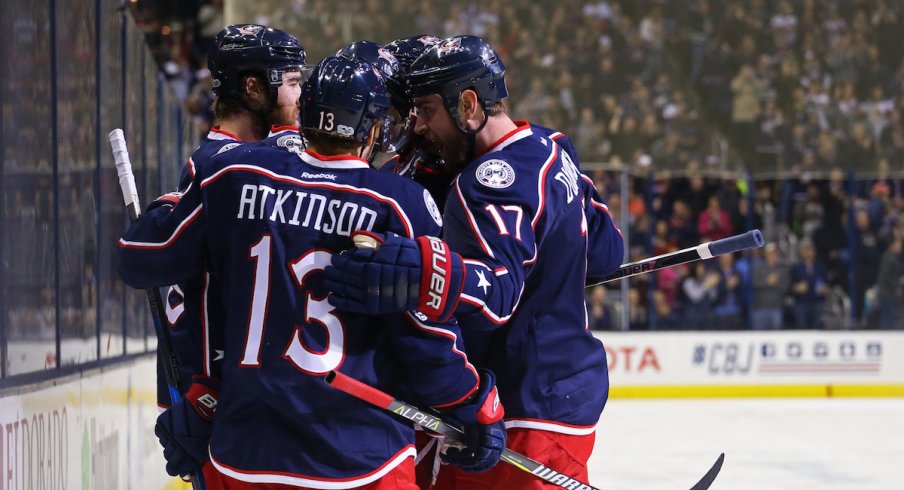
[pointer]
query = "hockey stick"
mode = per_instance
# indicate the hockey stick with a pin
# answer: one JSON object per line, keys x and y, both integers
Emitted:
{"x": 434, "y": 424}
{"x": 707, "y": 250}
{"x": 165, "y": 341}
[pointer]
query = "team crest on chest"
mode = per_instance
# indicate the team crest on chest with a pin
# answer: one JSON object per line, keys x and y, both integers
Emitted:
{"x": 496, "y": 174}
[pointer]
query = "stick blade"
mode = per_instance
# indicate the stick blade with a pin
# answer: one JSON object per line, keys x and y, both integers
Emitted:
{"x": 710, "y": 475}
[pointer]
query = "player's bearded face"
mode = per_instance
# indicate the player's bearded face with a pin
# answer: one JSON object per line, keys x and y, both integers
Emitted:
{"x": 441, "y": 135}
{"x": 285, "y": 111}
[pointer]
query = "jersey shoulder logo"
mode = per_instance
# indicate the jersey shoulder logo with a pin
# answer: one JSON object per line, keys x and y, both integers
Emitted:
{"x": 226, "y": 147}
{"x": 497, "y": 174}
{"x": 291, "y": 142}
{"x": 433, "y": 208}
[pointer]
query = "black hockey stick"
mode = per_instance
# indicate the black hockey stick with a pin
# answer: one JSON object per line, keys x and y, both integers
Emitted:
{"x": 434, "y": 424}
{"x": 736, "y": 243}
{"x": 165, "y": 341}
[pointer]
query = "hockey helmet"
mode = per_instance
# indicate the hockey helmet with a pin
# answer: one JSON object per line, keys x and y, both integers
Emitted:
{"x": 244, "y": 48}
{"x": 455, "y": 64}
{"x": 347, "y": 97}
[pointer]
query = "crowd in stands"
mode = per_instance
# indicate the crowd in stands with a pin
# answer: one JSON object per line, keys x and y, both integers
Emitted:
{"x": 784, "y": 115}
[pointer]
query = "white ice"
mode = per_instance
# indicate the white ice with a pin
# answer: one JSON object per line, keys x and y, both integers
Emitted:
{"x": 769, "y": 444}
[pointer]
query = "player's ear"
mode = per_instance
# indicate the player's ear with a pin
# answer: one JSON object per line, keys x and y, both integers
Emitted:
{"x": 367, "y": 149}
{"x": 468, "y": 107}
{"x": 253, "y": 89}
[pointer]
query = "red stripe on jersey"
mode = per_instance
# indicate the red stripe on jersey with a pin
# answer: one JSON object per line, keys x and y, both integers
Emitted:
{"x": 541, "y": 184}
{"x": 521, "y": 126}
{"x": 205, "y": 339}
{"x": 472, "y": 222}
{"x": 482, "y": 307}
{"x": 451, "y": 335}
{"x": 216, "y": 129}
{"x": 169, "y": 241}
{"x": 281, "y": 477}
{"x": 191, "y": 167}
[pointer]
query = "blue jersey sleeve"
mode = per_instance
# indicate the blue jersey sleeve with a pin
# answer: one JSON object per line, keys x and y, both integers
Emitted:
{"x": 434, "y": 357}
{"x": 492, "y": 230}
{"x": 605, "y": 246}
{"x": 164, "y": 245}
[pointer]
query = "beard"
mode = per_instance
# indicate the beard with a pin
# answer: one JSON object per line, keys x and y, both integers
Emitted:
{"x": 454, "y": 151}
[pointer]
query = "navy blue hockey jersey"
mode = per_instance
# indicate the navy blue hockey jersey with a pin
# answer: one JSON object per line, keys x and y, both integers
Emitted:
{"x": 189, "y": 307}
{"x": 517, "y": 213}
{"x": 266, "y": 222}
{"x": 193, "y": 305}
{"x": 599, "y": 220}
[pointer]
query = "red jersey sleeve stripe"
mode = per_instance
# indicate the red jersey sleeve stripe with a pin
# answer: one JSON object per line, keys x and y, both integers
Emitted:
{"x": 169, "y": 241}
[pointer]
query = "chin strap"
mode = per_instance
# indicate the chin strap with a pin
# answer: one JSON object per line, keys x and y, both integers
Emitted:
{"x": 471, "y": 136}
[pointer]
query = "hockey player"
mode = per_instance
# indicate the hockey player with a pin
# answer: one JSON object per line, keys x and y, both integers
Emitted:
{"x": 512, "y": 266}
{"x": 257, "y": 79}
{"x": 428, "y": 170}
{"x": 411, "y": 161}
{"x": 267, "y": 222}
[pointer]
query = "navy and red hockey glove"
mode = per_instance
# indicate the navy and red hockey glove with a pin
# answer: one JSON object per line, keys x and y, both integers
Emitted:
{"x": 485, "y": 437}
{"x": 184, "y": 428}
{"x": 400, "y": 274}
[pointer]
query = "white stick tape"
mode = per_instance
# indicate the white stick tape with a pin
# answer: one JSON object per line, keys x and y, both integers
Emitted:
{"x": 124, "y": 168}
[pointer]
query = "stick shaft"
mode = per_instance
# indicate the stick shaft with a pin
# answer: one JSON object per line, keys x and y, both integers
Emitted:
{"x": 434, "y": 424}
{"x": 736, "y": 243}
{"x": 165, "y": 349}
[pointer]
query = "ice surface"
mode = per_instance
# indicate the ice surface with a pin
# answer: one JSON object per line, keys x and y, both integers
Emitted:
{"x": 769, "y": 444}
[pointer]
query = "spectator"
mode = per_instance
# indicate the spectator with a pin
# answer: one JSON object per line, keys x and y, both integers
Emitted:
{"x": 601, "y": 315}
{"x": 727, "y": 309}
{"x": 809, "y": 288}
{"x": 867, "y": 252}
{"x": 699, "y": 290}
{"x": 714, "y": 223}
{"x": 891, "y": 286}
{"x": 770, "y": 285}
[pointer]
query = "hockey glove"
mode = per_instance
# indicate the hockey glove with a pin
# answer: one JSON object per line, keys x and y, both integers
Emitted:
{"x": 400, "y": 274}
{"x": 481, "y": 417}
{"x": 169, "y": 200}
{"x": 184, "y": 428}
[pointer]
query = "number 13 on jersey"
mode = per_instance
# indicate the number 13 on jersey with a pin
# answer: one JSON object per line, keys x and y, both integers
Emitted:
{"x": 316, "y": 312}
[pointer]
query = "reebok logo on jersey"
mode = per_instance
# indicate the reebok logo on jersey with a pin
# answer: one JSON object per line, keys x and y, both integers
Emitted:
{"x": 305, "y": 175}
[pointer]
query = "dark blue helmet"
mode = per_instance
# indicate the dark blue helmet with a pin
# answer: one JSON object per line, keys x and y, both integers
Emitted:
{"x": 373, "y": 53}
{"x": 406, "y": 50}
{"x": 347, "y": 97}
{"x": 456, "y": 64}
{"x": 252, "y": 48}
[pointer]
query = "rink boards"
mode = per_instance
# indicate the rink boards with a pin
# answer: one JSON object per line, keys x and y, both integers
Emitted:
{"x": 94, "y": 429}
{"x": 755, "y": 364}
